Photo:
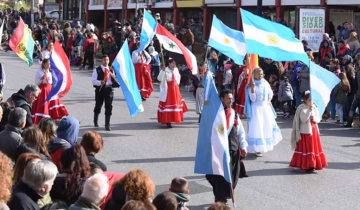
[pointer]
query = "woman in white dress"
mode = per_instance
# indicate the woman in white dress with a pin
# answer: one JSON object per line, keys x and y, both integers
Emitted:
{"x": 263, "y": 131}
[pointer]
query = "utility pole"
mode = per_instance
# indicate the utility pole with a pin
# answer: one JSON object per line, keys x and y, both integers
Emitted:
{"x": 80, "y": 9}
{"x": 259, "y": 7}
{"x": 32, "y": 13}
{"x": 122, "y": 21}
{"x": 136, "y": 8}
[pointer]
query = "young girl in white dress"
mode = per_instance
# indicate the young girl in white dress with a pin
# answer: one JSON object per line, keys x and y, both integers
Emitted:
{"x": 263, "y": 131}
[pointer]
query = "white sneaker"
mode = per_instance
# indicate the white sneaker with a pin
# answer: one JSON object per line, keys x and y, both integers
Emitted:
{"x": 259, "y": 154}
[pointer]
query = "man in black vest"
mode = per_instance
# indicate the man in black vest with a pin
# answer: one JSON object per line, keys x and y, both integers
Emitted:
{"x": 104, "y": 82}
{"x": 237, "y": 149}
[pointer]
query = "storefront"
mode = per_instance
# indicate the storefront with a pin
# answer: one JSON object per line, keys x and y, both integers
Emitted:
{"x": 96, "y": 13}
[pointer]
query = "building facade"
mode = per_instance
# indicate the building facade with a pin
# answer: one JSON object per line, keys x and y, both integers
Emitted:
{"x": 103, "y": 12}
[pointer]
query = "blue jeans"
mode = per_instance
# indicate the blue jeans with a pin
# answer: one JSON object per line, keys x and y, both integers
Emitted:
{"x": 332, "y": 109}
{"x": 340, "y": 111}
{"x": 289, "y": 104}
{"x": 297, "y": 96}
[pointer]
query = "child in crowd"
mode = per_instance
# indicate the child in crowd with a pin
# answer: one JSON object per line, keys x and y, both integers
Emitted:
{"x": 285, "y": 95}
{"x": 274, "y": 84}
{"x": 179, "y": 187}
{"x": 155, "y": 62}
{"x": 340, "y": 92}
{"x": 335, "y": 66}
{"x": 228, "y": 77}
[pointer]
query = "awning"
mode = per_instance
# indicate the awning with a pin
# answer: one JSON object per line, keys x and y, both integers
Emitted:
{"x": 189, "y": 3}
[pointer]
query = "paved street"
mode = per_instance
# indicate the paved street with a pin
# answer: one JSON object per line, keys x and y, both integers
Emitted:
{"x": 166, "y": 153}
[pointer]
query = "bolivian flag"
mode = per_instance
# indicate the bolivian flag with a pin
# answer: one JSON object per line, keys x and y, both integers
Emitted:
{"x": 22, "y": 43}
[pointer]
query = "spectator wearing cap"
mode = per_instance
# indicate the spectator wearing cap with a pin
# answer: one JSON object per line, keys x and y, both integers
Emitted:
{"x": 158, "y": 19}
{"x": 344, "y": 49}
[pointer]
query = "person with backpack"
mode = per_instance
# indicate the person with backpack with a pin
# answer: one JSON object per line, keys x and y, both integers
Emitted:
{"x": 285, "y": 95}
{"x": 155, "y": 62}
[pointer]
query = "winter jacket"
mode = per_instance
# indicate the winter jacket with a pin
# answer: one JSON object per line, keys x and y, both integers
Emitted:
{"x": 304, "y": 79}
{"x": 357, "y": 84}
{"x": 340, "y": 95}
{"x": 285, "y": 92}
{"x": 56, "y": 147}
{"x": 294, "y": 80}
{"x": 83, "y": 204}
{"x": 20, "y": 100}
{"x": 10, "y": 140}
{"x": 343, "y": 51}
{"x": 188, "y": 39}
{"x": 24, "y": 198}
{"x": 89, "y": 45}
{"x": 29, "y": 148}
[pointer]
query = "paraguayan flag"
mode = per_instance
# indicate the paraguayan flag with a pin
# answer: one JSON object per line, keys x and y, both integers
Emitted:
{"x": 271, "y": 40}
{"x": 148, "y": 30}
{"x": 322, "y": 82}
{"x": 212, "y": 151}
{"x": 228, "y": 41}
{"x": 125, "y": 72}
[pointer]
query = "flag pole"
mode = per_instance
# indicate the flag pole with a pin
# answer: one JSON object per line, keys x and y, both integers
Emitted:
{"x": 206, "y": 102}
{"x": 232, "y": 195}
{"x": 163, "y": 59}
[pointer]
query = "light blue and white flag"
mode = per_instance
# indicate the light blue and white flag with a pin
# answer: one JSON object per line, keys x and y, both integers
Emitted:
{"x": 212, "y": 152}
{"x": 227, "y": 41}
{"x": 125, "y": 72}
{"x": 271, "y": 40}
{"x": 148, "y": 30}
{"x": 322, "y": 82}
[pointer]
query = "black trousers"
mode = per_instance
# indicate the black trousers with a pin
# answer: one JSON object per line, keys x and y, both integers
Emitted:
{"x": 105, "y": 94}
{"x": 221, "y": 188}
{"x": 355, "y": 104}
{"x": 89, "y": 56}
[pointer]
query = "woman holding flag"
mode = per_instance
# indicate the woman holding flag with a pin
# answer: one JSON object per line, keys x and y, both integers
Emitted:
{"x": 171, "y": 105}
{"x": 263, "y": 131}
{"x": 54, "y": 108}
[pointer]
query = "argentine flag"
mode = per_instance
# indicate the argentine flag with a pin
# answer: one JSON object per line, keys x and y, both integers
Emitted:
{"x": 148, "y": 30}
{"x": 228, "y": 41}
{"x": 322, "y": 82}
{"x": 271, "y": 40}
{"x": 212, "y": 151}
{"x": 125, "y": 72}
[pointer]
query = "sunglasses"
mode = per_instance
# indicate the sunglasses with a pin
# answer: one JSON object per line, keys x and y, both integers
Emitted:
{"x": 36, "y": 97}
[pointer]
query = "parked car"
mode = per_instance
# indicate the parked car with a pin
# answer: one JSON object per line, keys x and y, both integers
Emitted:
{"x": 53, "y": 14}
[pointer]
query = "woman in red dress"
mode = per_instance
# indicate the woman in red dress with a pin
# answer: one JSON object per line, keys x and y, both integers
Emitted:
{"x": 141, "y": 62}
{"x": 305, "y": 139}
{"x": 239, "y": 90}
{"x": 54, "y": 109}
{"x": 171, "y": 105}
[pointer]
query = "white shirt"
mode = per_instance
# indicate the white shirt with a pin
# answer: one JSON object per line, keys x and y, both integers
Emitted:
{"x": 164, "y": 77}
{"x": 169, "y": 75}
{"x": 144, "y": 58}
{"x": 39, "y": 74}
{"x": 97, "y": 82}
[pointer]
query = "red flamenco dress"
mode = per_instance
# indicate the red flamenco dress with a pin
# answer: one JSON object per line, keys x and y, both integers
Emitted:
{"x": 173, "y": 109}
{"x": 309, "y": 153}
{"x": 143, "y": 73}
{"x": 239, "y": 90}
{"x": 53, "y": 109}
